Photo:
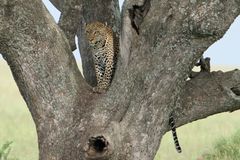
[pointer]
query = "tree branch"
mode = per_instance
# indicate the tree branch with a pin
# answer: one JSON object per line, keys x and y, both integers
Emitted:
{"x": 70, "y": 19}
{"x": 45, "y": 71}
{"x": 208, "y": 94}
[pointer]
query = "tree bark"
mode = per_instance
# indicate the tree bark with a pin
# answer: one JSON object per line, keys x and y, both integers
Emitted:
{"x": 160, "y": 41}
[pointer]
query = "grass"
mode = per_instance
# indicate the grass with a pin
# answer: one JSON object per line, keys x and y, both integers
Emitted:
{"x": 5, "y": 150}
{"x": 225, "y": 149}
{"x": 17, "y": 125}
{"x": 198, "y": 137}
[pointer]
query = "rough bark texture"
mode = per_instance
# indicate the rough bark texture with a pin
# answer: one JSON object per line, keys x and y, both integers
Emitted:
{"x": 161, "y": 40}
{"x": 68, "y": 21}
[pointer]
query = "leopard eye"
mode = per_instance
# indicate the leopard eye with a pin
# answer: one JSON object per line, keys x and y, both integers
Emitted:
{"x": 96, "y": 33}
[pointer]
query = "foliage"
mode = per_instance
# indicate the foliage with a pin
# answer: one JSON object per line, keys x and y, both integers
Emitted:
{"x": 226, "y": 149}
{"x": 5, "y": 150}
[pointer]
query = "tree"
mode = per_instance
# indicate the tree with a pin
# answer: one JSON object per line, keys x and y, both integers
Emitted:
{"x": 160, "y": 41}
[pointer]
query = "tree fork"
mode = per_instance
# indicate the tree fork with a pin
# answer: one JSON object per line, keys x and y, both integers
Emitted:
{"x": 148, "y": 84}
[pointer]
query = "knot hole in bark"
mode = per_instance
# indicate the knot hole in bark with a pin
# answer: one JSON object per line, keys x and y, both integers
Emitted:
{"x": 137, "y": 14}
{"x": 97, "y": 148}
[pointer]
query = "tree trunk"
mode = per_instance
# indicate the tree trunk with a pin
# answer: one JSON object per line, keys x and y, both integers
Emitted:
{"x": 160, "y": 41}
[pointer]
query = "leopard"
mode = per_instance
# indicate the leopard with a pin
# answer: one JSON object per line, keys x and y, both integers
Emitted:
{"x": 105, "y": 47}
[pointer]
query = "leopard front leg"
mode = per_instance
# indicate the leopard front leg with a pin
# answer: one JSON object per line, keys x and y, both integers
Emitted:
{"x": 108, "y": 73}
{"x": 99, "y": 70}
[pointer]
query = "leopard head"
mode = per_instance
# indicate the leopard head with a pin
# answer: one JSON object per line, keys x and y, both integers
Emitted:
{"x": 96, "y": 34}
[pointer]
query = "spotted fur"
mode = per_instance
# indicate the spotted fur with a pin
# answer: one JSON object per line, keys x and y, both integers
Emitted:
{"x": 104, "y": 47}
